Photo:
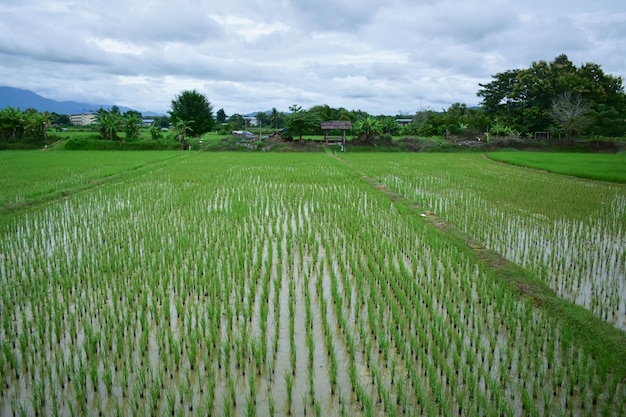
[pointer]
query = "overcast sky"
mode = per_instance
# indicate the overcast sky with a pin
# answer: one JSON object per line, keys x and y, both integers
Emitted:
{"x": 383, "y": 57}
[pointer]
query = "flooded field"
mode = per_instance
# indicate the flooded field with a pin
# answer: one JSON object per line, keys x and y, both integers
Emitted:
{"x": 252, "y": 284}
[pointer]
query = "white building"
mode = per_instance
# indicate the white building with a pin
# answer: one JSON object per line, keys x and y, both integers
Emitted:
{"x": 83, "y": 119}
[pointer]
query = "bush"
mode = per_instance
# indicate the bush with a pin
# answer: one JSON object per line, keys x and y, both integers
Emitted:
{"x": 7, "y": 146}
{"x": 108, "y": 145}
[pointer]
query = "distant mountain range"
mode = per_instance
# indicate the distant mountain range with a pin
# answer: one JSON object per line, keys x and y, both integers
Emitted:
{"x": 25, "y": 99}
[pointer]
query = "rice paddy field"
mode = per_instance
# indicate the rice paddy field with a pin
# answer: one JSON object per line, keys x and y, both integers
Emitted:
{"x": 234, "y": 284}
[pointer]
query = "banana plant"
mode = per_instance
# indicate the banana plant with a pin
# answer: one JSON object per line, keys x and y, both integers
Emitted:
{"x": 368, "y": 128}
{"x": 182, "y": 128}
{"x": 110, "y": 124}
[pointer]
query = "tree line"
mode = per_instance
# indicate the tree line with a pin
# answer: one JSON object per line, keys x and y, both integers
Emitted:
{"x": 556, "y": 98}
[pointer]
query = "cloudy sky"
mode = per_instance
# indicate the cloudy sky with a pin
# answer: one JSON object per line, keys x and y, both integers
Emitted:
{"x": 383, "y": 57}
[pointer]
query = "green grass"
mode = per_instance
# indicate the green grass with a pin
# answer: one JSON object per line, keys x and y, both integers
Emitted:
{"x": 28, "y": 176}
{"x": 603, "y": 167}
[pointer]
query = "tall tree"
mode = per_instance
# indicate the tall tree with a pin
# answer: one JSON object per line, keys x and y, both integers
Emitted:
{"x": 523, "y": 98}
{"x": 274, "y": 117}
{"x": 302, "y": 122}
{"x": 191, "y": 105}
{"x": 570, "y": 113}
{"x": 262, "y": 119}
{"x": 59, "y": 119}
{"x": 220, "y": 116}
{"x": 324, "y": 112}
{"x": 236, "y": 121}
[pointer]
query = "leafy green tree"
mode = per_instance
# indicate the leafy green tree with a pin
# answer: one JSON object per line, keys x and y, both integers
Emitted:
{"x": 454, "y": 119}
{"x": 477, "y": 120}
{"x": 220, "y": 116}
{"x": 236, "y": 121}
{"x": 59, "y": 119}
{"x": 262, "y": 119}
{"x": 191, "y": 105}
{"x": 162, "y": 121}
{"x": 608, "y": 121}
{"x": 302, "y": 122}
{"x": 274, "y": 117}
{"x": 523, "y": 98}
{"x": 344, "y": 114}
{"x": 324, "y": 112}
{"x": 426, "y": 123}
{"x": 135, "y": 113}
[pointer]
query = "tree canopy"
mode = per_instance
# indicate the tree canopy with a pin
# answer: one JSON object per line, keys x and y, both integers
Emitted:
{"x": 302, "y": 122}
{"x": 523, "y": 98}
{"x": 221, "y": 116}
{"x": 191, "y": 105}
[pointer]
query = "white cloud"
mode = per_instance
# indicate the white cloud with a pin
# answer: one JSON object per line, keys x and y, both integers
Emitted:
{"x": 248, "y": 55}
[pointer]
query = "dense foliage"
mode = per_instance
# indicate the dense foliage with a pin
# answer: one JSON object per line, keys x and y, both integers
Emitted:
{"x": 195, "y": 109}
{"x": 29, "y": 125}
{"x": 523, "y": 98}
{"x": 302, "y": 122}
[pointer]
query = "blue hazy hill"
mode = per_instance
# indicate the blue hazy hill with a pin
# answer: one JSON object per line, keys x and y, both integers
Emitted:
{"x": 25, "y": 99}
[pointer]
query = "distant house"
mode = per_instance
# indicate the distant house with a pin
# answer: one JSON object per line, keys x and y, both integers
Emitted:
{"x": 147, "y": 122}
{"x": 83, "y": 119}
{"x": 404, "y": 122}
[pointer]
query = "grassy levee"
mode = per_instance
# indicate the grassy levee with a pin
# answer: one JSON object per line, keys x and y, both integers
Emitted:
{"x": 602, "y": 167}
{"x": 603, "y": 341}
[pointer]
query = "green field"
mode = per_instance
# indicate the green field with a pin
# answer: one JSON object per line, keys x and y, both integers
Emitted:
{"x": 28, "y": 176}
{"x": 604, "y": 167}
{"x": 231, "y": 284}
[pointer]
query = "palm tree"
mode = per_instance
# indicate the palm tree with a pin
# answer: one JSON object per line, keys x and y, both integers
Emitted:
{"x": 273, "y": 118}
